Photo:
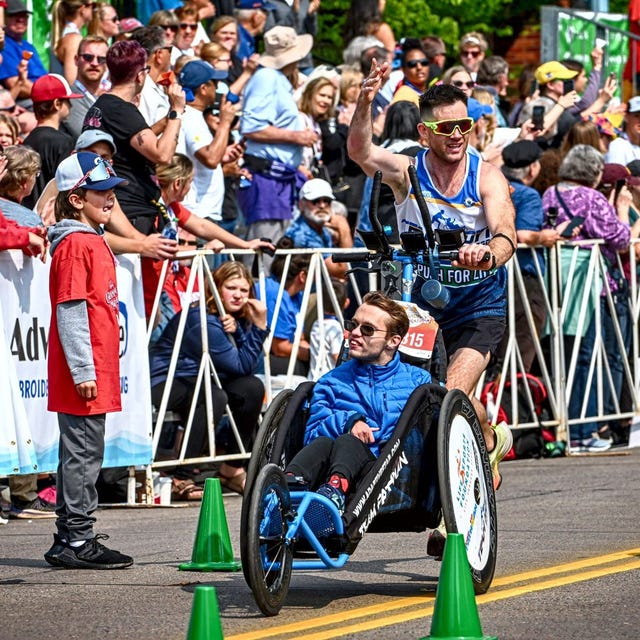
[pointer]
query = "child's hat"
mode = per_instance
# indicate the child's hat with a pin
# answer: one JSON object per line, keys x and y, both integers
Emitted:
{"x": 88, "y": 170}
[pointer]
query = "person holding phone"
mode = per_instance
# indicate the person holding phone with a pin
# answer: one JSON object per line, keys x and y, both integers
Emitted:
{"x": 575, "y": 195}
{"x": 626, "y": 148}
{"x": 550, "y": 78}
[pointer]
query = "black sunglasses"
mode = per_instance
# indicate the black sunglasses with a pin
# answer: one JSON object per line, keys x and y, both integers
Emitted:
{"x": 412, "y": 64}
{"x": 11, "y": 109}
{"x": 171, "y": 27}
{"x": 459, "y": 83}
{"x": 366, "y": 330}
{"x": 87, "y": 57}
{"x": 320, "y": 200}
{"x": 188, "y": 25}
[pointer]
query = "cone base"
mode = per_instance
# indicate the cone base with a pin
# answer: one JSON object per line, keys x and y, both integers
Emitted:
{"x": 460, "y": 638}
{"x": 210, "y": 566}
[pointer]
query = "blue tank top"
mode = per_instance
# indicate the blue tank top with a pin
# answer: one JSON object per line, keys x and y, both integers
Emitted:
{"x": 474, "y": 294}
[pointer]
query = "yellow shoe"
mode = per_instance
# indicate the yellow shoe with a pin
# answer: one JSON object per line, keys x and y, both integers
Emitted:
{"x": 503, "y": 441}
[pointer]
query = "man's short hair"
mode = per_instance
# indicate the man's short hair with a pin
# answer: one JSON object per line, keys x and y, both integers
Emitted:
{"x": 124, "y": 60}
{"x": 87, "y": 40}
{"x": 377, "y": 52}
{"x": 151, "y": 38}
{"x": 398, "y": 323}
{"x": 440, "y": 95}
{"x": 491, "y": 69}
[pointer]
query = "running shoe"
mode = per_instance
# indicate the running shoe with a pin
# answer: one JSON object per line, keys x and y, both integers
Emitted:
{"x": 503, "y": 441}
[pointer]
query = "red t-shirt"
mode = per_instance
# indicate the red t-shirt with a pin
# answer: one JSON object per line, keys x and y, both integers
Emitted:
{"x": 151, "y": 268}
{"x": 83, "y": 268}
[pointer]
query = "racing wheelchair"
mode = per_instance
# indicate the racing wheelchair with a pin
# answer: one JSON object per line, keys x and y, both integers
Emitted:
{"x": 435, "y": 465}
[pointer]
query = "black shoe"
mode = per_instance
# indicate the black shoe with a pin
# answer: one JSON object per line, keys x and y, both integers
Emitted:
{"x": 58, "y": 546}
{"x": 93, "y": 555}
{"x": 35, "y": 509}
{"x": 435, "y": 544}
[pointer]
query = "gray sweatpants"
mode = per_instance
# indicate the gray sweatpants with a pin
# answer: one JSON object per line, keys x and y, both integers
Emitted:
{"x": 80, "y": 456}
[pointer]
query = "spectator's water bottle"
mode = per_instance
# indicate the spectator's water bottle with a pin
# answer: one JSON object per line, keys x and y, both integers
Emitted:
{"x": 170, "y": 229}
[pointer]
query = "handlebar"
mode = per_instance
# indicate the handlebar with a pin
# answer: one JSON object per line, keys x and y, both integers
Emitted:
{"x": 372, "y": 257}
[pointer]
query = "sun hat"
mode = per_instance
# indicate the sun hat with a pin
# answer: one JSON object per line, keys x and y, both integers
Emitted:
{"x": 282, "y": 46}
{"x": 88, "y": 170}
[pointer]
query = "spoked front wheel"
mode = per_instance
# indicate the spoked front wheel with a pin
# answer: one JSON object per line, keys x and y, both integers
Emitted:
{"x": 267, "y": 557}
{"x": 466, "y": 486}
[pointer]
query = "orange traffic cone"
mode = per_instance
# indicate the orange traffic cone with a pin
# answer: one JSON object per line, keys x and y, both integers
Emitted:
{"x": 212, "y": 548}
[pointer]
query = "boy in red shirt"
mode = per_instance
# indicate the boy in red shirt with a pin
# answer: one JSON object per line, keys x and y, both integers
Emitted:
{"x": 83, "y": 362}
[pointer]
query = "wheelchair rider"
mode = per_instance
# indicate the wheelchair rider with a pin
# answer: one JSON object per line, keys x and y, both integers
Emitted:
{"x": 355, "y": 407}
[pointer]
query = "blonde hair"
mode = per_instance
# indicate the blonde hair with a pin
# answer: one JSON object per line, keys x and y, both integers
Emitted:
{"x": 13, "y": 125}
{"x": 211, "y": 51}
{"x": 484, "y": 97}
{"x": 310, "y": 90}
{"x": 22, "y": 164}
{"x": 181, "y": 61}
{"x": 349, "y": 78}
{"x": 179, "y": 168}
{"x": 61, "y": 12}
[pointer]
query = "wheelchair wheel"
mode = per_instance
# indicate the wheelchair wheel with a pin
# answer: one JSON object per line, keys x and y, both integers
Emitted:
{"x": 466, "y": 486}
{"x": 267, "y": 556}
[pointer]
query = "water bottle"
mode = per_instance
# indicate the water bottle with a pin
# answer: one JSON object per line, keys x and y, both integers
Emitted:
{"x": 170, "y": 229}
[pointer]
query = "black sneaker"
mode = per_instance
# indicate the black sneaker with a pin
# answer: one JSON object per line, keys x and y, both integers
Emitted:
{"x": 93, "y": 555}
{"x": 58, "y": 546}
{"x": 37, "y": 508}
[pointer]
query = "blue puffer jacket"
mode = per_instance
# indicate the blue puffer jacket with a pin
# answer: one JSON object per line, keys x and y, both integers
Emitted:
{"x": 355, "y": 390}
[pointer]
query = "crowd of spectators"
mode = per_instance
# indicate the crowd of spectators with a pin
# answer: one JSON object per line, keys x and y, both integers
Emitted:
{"x": 226, "y": 127}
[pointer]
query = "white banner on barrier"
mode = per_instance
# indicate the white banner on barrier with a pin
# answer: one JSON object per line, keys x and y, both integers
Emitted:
{"x": 25, "y": 310}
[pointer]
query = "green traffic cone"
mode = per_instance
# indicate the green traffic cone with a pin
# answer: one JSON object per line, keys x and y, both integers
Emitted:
{"x": 212, "y": 548}
{"x": 455, "y": 616}
{"x": 204, "y": 623}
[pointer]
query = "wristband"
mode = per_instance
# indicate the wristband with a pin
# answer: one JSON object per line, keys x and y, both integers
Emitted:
{"x": 508, "y": 239}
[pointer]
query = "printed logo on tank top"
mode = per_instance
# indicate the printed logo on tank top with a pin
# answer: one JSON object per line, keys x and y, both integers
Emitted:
{"x": 93, "y": 119}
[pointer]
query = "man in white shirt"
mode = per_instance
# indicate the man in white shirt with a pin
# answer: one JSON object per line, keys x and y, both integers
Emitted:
{"x": 197, "y": 141}
{"x": 154, "y": 103}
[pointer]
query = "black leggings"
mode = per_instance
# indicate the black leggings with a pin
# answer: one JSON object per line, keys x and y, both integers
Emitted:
{"x": 323, "y": 457}
{"x": 244, "y": 396}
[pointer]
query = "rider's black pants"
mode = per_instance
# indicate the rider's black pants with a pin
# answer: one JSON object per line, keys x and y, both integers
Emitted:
{"x": 323, "y": 457}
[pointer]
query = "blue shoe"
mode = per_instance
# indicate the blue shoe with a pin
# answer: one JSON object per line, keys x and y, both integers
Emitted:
{"x": 318, "y": 517}
{"x": 334, "y": 494}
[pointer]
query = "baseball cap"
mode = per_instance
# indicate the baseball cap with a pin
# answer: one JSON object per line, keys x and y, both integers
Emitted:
{"x": 88, "y": 170}
{"x": 196, "y": 73}
{"x": 611, "y": 173}
{"x": 477, "y": 109}
{"x": 255, "y": 4}
{"x": 553, "y": 71}
{"x": 52, "y": 87}
{"x": 91, "y": 136}
{"x": 16, "y": 6}
{"x": 518, "y": 155}
{"x": 129, "y": 24}
{"x": 634, "y": 105}
{"x": 316, "y": 188}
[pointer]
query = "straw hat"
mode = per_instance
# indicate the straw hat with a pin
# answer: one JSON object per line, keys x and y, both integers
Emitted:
{"x": 283, "y": 46}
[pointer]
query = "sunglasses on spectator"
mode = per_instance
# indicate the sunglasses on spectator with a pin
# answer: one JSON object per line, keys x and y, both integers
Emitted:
{"x": 473, "y": 53}
{"x": 100, "y": 172}
{"x": 114, "y": 19}
{"x": 459, "y": 83}
{"x": 11, "y": 109}
{"x": 412, "y": 64}
{"x": 448, "y": 127}
{"x": 366, "y": 330}
{"x": 145, "y": 69}
{"x": 322, "y": 200}
{"x": 188, "y": 25}
{"x": 88, "y": 57}
{"x": 170, "y": 27}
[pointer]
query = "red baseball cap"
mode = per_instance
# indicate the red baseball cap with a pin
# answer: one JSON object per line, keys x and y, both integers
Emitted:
{"x": 50, "y": 87}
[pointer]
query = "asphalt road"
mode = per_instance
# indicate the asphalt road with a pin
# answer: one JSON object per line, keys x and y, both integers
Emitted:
{"x": 568, "y": 567}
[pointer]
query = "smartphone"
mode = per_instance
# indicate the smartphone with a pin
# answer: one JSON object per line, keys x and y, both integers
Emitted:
{"x": 537, "y": 117}
{"x": 576, "y": 221}
{"x": 613, "y": 76}
{"x": 601, "y": 43}
{"x": 567, "y": 86}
